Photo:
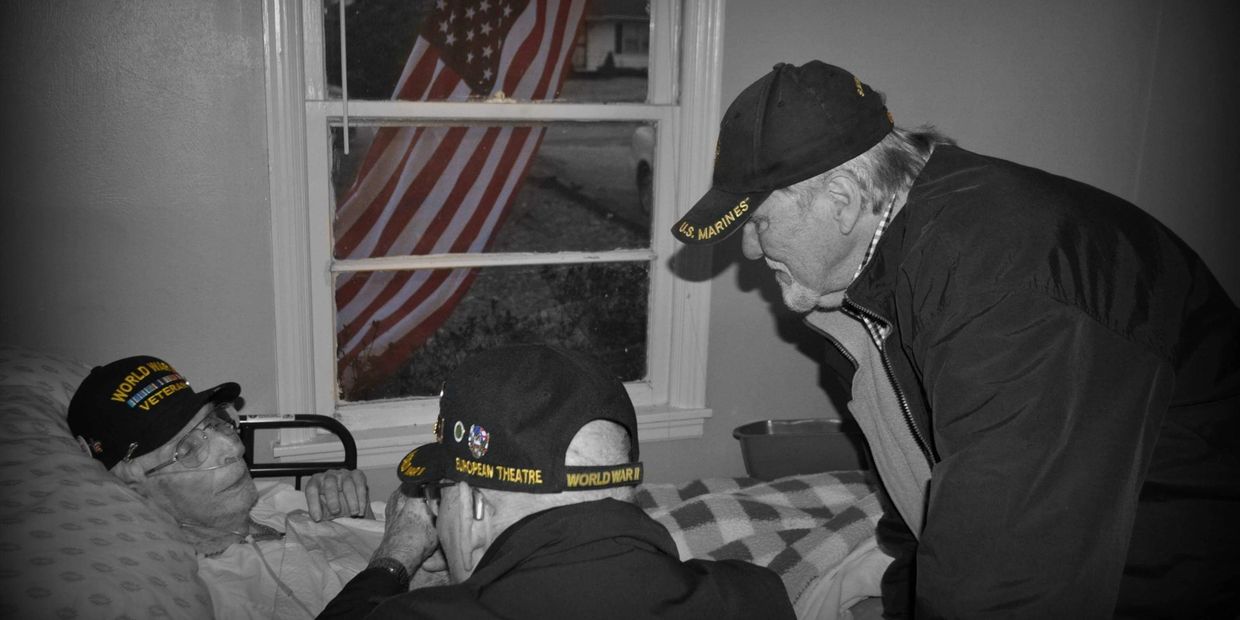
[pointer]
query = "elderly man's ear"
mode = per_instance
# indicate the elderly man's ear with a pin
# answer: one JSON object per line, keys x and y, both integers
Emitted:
{"x": 845, "y": 201}
{"x": 478, "y": 522}
{"x": 129, "y": 472}
{"x": 84, "y": 446}
{"x": 123, "y": 470}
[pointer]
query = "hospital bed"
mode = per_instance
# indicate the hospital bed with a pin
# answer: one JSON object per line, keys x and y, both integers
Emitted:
{"x": 75, "y": 542}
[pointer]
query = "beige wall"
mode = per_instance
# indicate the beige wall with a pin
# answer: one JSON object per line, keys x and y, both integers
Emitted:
{"x": 135, "y": 180}
{"x": 135, "y": 185}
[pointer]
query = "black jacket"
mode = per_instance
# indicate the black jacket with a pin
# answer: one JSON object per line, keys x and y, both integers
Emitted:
{"x": 600, "y": 559}
{"x": 1073, "y": 370}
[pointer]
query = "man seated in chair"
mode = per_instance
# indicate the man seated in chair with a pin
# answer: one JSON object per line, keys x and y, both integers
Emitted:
{"x": 526, "y": 495}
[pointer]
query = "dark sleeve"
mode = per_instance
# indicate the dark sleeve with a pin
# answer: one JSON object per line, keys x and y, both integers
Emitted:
{"x": 745, "y": 590}
{"x": 896, "y": 540}
{"x": 1045, "y": 421}
{"x": 362, "y": 594}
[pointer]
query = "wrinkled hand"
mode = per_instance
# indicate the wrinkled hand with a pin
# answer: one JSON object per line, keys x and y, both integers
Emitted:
{"x": 338, "y": 493}
{"x": 409, "y": 535}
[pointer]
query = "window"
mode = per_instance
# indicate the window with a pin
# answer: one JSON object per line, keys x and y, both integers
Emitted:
{"x": 418, "y": 213}
{"x": 632, "y": 38}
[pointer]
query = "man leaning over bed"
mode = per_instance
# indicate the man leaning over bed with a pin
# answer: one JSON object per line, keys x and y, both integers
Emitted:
{"x": 179, "y": 448}
{"x": 527, "y": 491}
{"x": 1049, "y": 379}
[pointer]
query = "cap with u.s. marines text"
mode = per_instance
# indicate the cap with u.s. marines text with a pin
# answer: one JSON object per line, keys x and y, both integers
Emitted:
{"x": 507, "y": 416}
{"x": 135, "y": 405}
{"x": 793, "y": 124}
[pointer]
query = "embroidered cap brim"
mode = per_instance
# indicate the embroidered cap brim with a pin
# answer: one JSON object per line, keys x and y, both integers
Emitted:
{"x": 422, "y": 465}
{"x": 718, "y": 214}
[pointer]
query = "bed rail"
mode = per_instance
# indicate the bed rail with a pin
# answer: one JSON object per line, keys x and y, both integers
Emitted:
{"x": 248, "y": 424}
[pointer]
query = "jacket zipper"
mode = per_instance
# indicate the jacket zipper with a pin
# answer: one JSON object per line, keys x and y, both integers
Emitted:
{"x": 922, "y": 444}
{"x": 839, "y": 347}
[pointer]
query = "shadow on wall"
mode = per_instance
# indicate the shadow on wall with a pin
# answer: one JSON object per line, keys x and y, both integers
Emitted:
{"x": 834, "y": 370}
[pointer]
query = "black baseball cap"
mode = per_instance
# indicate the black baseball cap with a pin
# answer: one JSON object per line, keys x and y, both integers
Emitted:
{"x": 507, "y": 416}
{"x": 139, "y": 401}
{"x": 792, "y": 124}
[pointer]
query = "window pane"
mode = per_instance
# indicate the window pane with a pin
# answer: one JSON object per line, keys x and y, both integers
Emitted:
{"x": 418, "y": 190}
{"x": 526, "y": 49}
{"x": 404, "y": 343}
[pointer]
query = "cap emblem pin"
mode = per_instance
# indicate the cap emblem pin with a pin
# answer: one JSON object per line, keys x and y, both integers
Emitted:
{"x": 479, "y": 440}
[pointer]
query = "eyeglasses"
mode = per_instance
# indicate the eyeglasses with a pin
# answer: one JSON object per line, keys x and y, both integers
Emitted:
{"x": 433, "y": 491}
{"x": 194, "y": 448}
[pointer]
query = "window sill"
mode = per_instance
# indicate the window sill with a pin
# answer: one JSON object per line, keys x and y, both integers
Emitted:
{"x": 384, "y": 447}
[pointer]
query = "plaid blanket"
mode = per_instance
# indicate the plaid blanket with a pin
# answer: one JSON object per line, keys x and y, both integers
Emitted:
{"x": 799, "y": 526}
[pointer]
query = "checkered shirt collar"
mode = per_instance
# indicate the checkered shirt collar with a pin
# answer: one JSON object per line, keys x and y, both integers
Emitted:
{"x": 876, "y": 331}
{"x": 878, "y": 233}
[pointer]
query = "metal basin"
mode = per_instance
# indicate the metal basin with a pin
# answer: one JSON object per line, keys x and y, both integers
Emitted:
{"x": 777, "y": 448}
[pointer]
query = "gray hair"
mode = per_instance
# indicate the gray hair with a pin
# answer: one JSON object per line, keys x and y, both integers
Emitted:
{"x": 600, "y": 442}
{"x": 883, "y": 171}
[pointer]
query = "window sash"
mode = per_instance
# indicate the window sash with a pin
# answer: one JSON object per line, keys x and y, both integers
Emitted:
{"x": 298, "y": 135}
{"x": 652, "y": 392}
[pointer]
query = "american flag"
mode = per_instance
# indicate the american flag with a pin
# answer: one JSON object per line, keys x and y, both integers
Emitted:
{"x": 431, "y": 190}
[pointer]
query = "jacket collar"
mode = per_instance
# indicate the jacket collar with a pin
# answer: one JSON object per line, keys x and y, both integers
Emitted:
{"x": 544, "y": 535}
{"x": 874, "y": 288}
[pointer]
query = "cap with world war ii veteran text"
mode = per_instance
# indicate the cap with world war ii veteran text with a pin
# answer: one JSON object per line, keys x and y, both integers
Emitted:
{"x": 135, "y": 405}
{"x": 507, "y": 416}
{"x": 793, "y": 124}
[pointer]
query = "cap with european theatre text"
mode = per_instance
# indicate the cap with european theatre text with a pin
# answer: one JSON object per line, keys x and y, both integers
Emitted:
{"x": 135, "y": 405}
{"x": 507, "y": 416}
{"x": 793, "y": 124}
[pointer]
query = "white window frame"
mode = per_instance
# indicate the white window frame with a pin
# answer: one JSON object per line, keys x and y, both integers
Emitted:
{"x": 684, "y": 103}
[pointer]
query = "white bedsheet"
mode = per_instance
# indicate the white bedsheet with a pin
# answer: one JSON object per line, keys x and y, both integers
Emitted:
{"x": 294, "y": 577}
{"x": 858, "y": 577}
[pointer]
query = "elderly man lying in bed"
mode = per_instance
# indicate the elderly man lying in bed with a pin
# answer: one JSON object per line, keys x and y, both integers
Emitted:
{"x": 179, "y": 448}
